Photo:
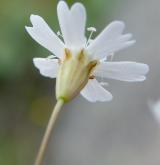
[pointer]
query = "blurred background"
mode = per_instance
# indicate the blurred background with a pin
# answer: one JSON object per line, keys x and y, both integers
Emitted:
{"x": 121, "y": 132}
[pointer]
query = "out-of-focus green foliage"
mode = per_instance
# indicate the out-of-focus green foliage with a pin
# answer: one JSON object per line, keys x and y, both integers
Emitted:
{"x": 26, "y": 98}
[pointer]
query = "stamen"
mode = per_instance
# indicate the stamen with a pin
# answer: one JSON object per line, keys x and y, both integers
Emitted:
{"x": 90, "y": 41}
{"x": 91, "y": 30}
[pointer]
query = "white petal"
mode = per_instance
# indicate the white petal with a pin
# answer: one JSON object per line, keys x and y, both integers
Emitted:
{"x": 155, "y": 110}
{"x": 72, "y": 23}
{"x": 47, "y": 67}
{"x": 110, "y": 40}
{"x": 112, "y": 31}
{"x": 93, "y": 92}
{"x": 42, "y": 33}
{"x": 113, "y": 48}
{"x": 124, "y": 71}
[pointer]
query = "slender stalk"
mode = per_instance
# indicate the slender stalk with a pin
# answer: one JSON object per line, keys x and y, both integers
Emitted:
{"x": 47, "y": 135}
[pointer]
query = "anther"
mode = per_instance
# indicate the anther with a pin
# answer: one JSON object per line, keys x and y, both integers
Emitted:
{"x": 92, "y": 30}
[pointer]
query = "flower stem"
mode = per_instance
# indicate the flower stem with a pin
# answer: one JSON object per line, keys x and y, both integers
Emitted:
{"x": 47, "y": 135}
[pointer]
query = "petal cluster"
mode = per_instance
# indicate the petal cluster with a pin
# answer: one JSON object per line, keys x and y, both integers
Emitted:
{"x": 72, "y": 24}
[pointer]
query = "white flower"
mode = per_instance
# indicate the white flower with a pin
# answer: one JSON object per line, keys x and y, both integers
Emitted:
{"x": 93, "y": 53}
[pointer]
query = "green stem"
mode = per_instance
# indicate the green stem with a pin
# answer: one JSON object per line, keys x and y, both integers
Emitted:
{"x": 47, "y": 135}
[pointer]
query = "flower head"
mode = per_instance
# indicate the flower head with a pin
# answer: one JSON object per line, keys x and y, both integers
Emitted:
{"x": 77, "y": 61}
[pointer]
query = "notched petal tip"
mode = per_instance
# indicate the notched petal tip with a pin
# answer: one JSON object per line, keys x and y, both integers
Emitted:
{"x": 128, "y": 44}
{"x": 132, "y": 42}
{"x": 33, "y": 16}
{"x": 47, "y": 67}
{"x": 28, "y": 28}
{"x": 44, "y": 35}
{"x": 118, "y": 23}
{"x": 123, "y": 71}
{"x": 138, "y": 79}
{"x": 32, "y": 19}
{"x": 78, "y": 5}
{"x": 61, "y": 4}
{"x": 107, "y": 98}
{"x": 37, "y": 62}
{"x": 142, "y": 79}
{"x": 36, "y": 19}
{"x": 145, "y": 68}
{"x": 126, "y": 37}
